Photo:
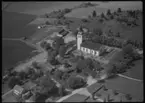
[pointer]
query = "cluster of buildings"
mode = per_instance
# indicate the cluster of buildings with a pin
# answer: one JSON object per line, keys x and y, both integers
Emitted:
{"x": 24, "y": 93}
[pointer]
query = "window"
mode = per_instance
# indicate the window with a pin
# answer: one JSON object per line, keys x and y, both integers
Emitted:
{"x": 82, "y": 48}
{"x": 97, "y": 53}
{"x": 88, "y": 51}
{"x": 93, "y": 52}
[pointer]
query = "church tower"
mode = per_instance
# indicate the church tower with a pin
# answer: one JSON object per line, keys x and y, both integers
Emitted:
{"x": 79, "y": 40}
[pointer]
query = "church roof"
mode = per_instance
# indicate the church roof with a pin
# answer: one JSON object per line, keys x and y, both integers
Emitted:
{"x": 91, "y": 45}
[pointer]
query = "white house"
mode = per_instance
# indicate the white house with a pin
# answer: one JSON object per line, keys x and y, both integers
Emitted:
{"x": 88, "y": 46}
{"x": 17, "y": 90}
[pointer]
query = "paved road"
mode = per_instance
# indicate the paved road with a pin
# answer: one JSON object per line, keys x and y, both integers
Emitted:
{"x": 130, "y": 78}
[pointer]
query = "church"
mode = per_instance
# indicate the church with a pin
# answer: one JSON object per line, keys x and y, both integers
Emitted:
{"x": 87, "y": 46}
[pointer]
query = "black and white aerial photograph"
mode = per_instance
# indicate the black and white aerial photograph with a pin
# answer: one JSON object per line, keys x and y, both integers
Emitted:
{"x": 72, "y": 51}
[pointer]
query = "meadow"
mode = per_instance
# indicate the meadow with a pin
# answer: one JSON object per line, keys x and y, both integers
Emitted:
{"x": 14, "y": 25}
{"x": 13, "y": 52}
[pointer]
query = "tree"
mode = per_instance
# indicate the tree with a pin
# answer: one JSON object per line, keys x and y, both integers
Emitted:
{"x": 93, "y": 74}
{"x": 102, "y": 15}
{"x": 94, "y": 13}
{"x": 108, "y": 12}
{"x": 65, "y": 76}
{"x": 98, "y": 31}
{"x": 48, "y": 84}
{"x": 128, "y": 97}
{"x": 111, "y": 17}
{"x": 43, "y": 44}
{"x": 80, "y": 66}
{"x": 120, "y": 67}
{"x": 14, "y": 81}
{"x": 62, "y": 51}
{"x": 119, "y": 10}
{"x": 76, "y": 82}
{"x": 59, "y": 42}
{"x": 47, "y": 23}
{"x": 22, "y": 75}
{"x": 115, "y": 92}
{"x": 47, "y": 47}
{"x": 67, "y": 10}
{"x": 128, "y": 49}
{"x": 36, "y": 65}
{"x": 58, "y": 74}
{"x": 41, "y": 98}
{"x": 62, "y": 91}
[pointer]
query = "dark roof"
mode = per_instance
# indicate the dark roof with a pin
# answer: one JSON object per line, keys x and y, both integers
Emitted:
{"x": 90, "y": 45}
{"x": 65, "y": 33}
{"x": 94, "y": 87}
{"x": 61, "y": 31}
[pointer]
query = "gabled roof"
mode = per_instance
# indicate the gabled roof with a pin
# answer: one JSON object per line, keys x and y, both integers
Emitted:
{"x": 94, "y": 87}
{"x": 91, "y": 45}
{"x": 75, "y": 98}
{"x": 18, "y": 88}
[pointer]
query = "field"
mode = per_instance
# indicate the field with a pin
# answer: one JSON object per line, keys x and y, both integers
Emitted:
{"x": 102, "y": 7}
{"x": 136, "y": 71}
{"x": 13, "y": 52}
{"x": 14, "y": 25}
{"x": 43, "y": 33}
{"x": 126, "y": 86}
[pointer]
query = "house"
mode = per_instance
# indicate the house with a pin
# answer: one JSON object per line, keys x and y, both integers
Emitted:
{"x": 18, "y": 90}
{"x": 87, "y": 46}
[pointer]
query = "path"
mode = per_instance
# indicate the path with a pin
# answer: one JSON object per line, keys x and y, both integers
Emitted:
{"x": 21, "y": 40}
{"x": 129, "y": 78}
{"x": 3, "y": 96}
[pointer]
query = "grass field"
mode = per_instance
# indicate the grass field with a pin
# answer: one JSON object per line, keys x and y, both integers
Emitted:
{"x": 13, "y": 52}
{"x": 14, "y": 25}
{"x": 126, "y": 86}
{"x": 136, "y": 71}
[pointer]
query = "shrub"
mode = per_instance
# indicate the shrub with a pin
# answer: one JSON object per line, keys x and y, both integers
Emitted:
{"x": 76, "y": 82}
{"x": 14, "y": 81}
{"x": 47, "y": 23}
{"x": 108, "y": 12}
{"x": 85, "y": 20}
{"x": 102, "y": 15}
{"x": 58, "y": 74}
{"x": 111, "y": 17}
{"x": 128, "y": 49}
{"x": 94, "y": 13}
{"x": 101, "y": 20}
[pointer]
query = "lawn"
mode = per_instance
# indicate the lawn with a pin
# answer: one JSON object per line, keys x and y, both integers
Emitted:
{"x": 126, "y": 86}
